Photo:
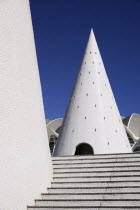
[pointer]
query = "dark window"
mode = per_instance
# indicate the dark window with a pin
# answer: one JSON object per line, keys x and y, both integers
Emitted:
{"x": 131, "y": 141}
{"x": 52, "y": 143}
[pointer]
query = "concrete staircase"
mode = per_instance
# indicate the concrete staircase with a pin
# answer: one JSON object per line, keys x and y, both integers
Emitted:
{"x": 93, "y": 182}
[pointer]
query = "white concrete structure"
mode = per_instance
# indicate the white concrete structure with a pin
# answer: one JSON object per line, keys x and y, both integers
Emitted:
{"x": 132, "y": 127}
{"x": 25, "y": 162}
{"x": 92, "y": 116}
{"x": 132, "y": 124}
{"x": 53, "y": 129}
{"x": 53, "y": 126}
{"x": 136, "y": 146}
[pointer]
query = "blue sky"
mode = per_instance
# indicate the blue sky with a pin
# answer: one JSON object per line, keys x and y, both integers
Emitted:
{"x": 61, "y": 30}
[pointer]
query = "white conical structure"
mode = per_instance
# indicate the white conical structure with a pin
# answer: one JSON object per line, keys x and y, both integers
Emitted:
{"x": 25, "y": 161}
{"x": 92, "y": 115}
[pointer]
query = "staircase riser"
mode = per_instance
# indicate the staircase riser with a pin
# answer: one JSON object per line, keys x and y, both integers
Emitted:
{"x": 101, "y": 161}
{"x": 90, "y": 196}
{"x": 119, "y": 173}
{"x": 97, "y": 165}
{"x": 127, "y": 155}
{"x": 88, "y": 203}
{"x": 94, "y": 179}
{"x": 82, "y": 208}
{"x": 97, "y": 169}
{"x": 100, "y": 184}
{"x": 96, "y": 190}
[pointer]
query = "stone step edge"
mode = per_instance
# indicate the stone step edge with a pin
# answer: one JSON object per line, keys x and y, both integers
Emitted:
{"x": 82, "y": 163}
{"x": 106, "y": 193}
{"x": 66, "y": 172}
{"x": 87, "y": 159}
{"x": 85, "y": 182}
{"x": 71, "y": 200}
{"x": 97, "y": 155}
{"x": 112, "y": 176}
{"x": 73, "y": 157}
{"x": 87, "y": 207}
{"x": 130, "y": 166}
{"x": 57, "y": 188}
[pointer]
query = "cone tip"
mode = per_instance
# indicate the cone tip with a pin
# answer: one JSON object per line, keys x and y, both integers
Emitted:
{"x": 91, "y": 30}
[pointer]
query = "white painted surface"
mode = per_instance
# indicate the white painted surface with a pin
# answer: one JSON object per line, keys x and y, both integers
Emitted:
{"x": 92, "y": 98}
{"x": 25, "y": 163}
{"x": 134, "y": 125}
{"x": 52, "y": 127}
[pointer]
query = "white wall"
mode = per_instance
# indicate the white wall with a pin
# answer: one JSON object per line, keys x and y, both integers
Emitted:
{"x": 92, "y": 115}
{"x": 25, "y": 162}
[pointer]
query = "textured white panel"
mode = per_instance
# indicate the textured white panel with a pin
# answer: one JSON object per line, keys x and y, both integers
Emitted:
{"x": 134, "y": 125}
{"x": 92, "y": 116}
{"x": 25, "y": 163}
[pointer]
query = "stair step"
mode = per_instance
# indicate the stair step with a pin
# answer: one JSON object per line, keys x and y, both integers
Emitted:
{"x": 96, "y": 203}
{"x": 103, "y": 156}
{"x": 104, "y": 169}
{"x": 81, "y": 208}
{"x": 90, "y": 196}
{"x": 97, "y": 165}
{"x": 93, "y": 160}
{"x": 97, "y": 173}
{"x": 93, "y": 179}
{"x": 95, "y": 184}
{"x": 95, "y": 190}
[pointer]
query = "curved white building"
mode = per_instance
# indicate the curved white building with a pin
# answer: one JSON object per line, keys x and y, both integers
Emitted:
{"x": 132, "y": 124}
{"x": 53, "y": 130}
{"x": 25, "y": 162}
{"x": 92, "y": 122}
{"x": 132, "y": 127}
